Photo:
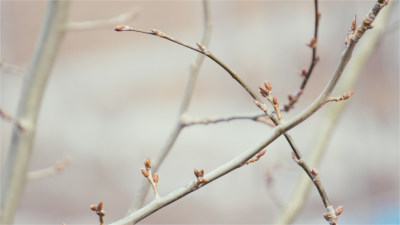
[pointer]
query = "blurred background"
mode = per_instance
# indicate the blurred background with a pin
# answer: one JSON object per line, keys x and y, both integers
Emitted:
{"x": 112, "y": 100}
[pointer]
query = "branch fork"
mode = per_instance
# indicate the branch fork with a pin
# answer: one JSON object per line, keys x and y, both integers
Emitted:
{"x": 99, "y": 211}
{"x": 153, "y": 179}
{"x": 200, "y": 178}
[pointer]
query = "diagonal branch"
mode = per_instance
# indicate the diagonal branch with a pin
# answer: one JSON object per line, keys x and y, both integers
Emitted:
{"x": 277, "y": 131}
{"x": 194, "y": 71}
{"x": 350, "y": 79}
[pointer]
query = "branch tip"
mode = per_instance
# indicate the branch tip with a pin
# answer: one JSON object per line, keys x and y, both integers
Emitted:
{"x": 123, "y": 28}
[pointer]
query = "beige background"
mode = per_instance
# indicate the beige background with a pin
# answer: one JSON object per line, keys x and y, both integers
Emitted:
{"x": 112, "y": 100}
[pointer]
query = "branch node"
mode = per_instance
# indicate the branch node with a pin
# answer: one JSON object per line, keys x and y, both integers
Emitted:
{"x": 153, "y": 179}
{"x": 200, "y": 178}
{"x": 7, "y": 117}
{"x": 203, "y": 48}
{"x": 256, "y": 157}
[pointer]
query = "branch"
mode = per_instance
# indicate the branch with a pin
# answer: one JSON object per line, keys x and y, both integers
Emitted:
{"x": 245, "y": 156}
{"x": 56, "y": 168}
{"x": 314, "y": 60}
{"x": 87, "y": 25}
{"x": 7, "y": 117}
{"x": 99, "y": 211}
{"x": 194, "y": 71}
{"x": 6, "y": 66}
{"x": 350, "y": 79}
{"x": 189, "y": 121}
{"x": 15, "y": 170}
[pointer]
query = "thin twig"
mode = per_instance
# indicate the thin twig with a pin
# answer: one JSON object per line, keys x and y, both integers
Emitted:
{"x": 189, "y": 121}
{"x": 96, "y": 24}
{"x": 56, "y": 168}
{"x": 350, "y": 78}
{"x": 16, "y": 168}
{"x": 7, "y": 66}
{"x": 245, "y": 156}
{"x": 203, "y": 50}
{"x": 314, "y": 60}
{"x": 7, "y": 117}
{"x": 194, "y": 71}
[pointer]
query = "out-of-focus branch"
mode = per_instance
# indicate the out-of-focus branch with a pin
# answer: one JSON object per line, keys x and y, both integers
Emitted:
{"x": 350, "y": 78}
{"x": 56, "y": 168}
{"x": 6, "y": 116}
{"x": 16, "y": 166}
{"x": 194, "y": 71}
{"x": 96, "y": 24}
{"x": 7, "y": 66}
{"x": 241, "y": 159}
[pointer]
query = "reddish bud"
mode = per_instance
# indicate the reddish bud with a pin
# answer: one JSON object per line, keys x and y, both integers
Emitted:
{"x": 147, "y": 163}
{"x": 303, "y": 72}
{"x": 326, "y": 217}
{"x": 339, "y": 210}
{"x": 201, "y": 47}
{"x": 268, "y": 86}
{"x": 314, "y": 172}
{"x": 261, "y": 153}
{"x": 100, "y": 206}
{"x": 122, "y": 28}
{"x": 201, "y": 173}
{"x": 263, "y": 91}
{"x": 347, "y": 95}
{"x": 313, "y": 43}
{"x": 204, "y": 180}
{"x": 144, "y": 172}
{"x": 319, "y": 15}
{"x": 101, "y": 213}
{"x": 290, "y": 97}
{"x": 93, "y": 207}
{"x": 275, "y": 100}
{"x": 155, "y": 178}
{"x": 196, "y": 172}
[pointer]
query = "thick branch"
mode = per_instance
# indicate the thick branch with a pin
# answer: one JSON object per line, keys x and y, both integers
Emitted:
{"x": 15, "y": 170}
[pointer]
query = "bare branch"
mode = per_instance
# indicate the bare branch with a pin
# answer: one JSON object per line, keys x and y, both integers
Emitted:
{"x": 245, "y": 156}
{"x": 189, "y": 121}
{"x": 194, "y": 71}
{"x": 7, "y": 66}
{"x": 7, "y": 117}
{"x": 314, "y": 60}
{"x": 16, "y": 168}
{"x": 350, "y": 78}
{"x": 56, "y": 168}
{"x": 96, "y": 24}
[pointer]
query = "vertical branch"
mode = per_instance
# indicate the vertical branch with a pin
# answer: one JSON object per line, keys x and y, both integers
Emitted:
{"x": 314, "y": 59}
{"x": 194, "y": 71}
{"x": 350, "y": 79}
{"x": 15, "y": 170}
